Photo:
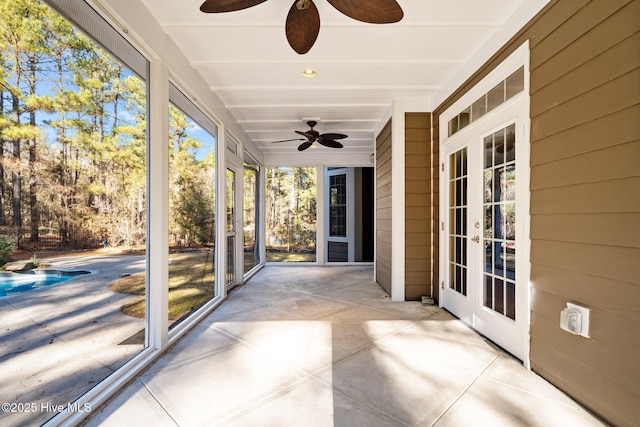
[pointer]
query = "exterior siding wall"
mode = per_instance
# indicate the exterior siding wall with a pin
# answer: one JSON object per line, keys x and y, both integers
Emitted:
{"x": 383, "y": 208}
{"x": 585, "y": 197}
{"x": 418, "y": 244}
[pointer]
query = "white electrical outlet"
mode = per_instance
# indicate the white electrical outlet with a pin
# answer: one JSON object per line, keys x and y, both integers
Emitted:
{"x": 571, "y": 321}
{"x": 575, "y": 319}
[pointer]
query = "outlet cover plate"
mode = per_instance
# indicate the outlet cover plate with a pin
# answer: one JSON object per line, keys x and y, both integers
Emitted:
{"x": 584, "y": 312}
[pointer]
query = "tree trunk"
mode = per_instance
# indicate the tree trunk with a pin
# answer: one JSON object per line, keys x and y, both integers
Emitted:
{"x": 3, "y": 217}
{"x": 33, "y": 187}
{"x": 16, "y": 178}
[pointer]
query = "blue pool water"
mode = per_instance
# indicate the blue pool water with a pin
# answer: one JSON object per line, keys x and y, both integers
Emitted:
{"x": 15, "y": 283}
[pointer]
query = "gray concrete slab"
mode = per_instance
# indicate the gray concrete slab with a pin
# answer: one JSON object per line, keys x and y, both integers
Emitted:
{"x": 314, "y": 354}
{"x": 57, "y": 342}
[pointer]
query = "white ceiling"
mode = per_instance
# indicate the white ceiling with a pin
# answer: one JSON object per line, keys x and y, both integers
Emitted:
{"x": 362, "y": 68}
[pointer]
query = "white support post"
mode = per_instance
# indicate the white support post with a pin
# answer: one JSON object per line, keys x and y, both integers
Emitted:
{"x": 221, "y": 213}
{"x": 158, "y": 208}
{"x": 321, "y": 209}
{"x": 262, "y": 216}
{"x": 351, "y": 214}
{"x": 397, "y": 202}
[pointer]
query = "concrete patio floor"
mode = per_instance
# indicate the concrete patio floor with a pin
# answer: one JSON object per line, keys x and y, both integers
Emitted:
{"x": 325, "y": 346}
{"x": 58, "y": 342}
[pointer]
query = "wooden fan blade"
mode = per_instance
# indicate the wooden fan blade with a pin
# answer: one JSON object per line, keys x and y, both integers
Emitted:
{"x": 371, "y": 11}
{"x": 218, "y": 6}
{"x": 330, "y": 143}
{"x": 302, "y": 27}
{"x": 305, "y": 145}
{"x": 309, "y": 136}
{"x": 287, "y": 140}
{"x": 334, "y": 136}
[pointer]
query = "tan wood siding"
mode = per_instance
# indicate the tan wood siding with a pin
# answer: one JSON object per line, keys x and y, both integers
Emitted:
{"x": 383, "y": 208}
{"x": 418, "y": 235}
{"x": 585, "y": 197}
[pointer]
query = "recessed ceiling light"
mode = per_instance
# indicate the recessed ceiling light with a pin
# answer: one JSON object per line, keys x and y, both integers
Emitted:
{"x": 309, "y": 73}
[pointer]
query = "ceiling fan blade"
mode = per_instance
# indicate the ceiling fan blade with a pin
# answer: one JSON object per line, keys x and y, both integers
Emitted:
{"x": 302, "y": 27}
{"x": 330, "y": 143}
{"x": 309, "y": 136}
{"x": 287, "y": 140}
{"x": 334, "y": 136}
{"x": 218, "y": 6}
{"x": 371, "y": 11}
{"x": 304, "y": 145}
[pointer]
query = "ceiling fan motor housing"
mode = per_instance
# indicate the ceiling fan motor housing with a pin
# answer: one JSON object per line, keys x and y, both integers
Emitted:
{"x": 303, "y": 4}
{"x": 302, "y": 28}
{"x": 312, "y": 135}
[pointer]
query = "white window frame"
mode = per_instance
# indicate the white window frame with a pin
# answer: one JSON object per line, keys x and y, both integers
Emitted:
{"x": 140, "y": 58}
{"x": 259, "y": 225}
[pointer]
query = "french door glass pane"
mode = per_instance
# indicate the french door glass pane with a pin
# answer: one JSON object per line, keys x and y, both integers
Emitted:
{"x": 499, "y": 222}
{"x": 250, "y": 227}
{"x": 231, "y": 197}
{"x": 231, "y": 260}
{"x": 458, "y": 221}
{"x": 338, "y": 205}
{"x": 231, "y": 227}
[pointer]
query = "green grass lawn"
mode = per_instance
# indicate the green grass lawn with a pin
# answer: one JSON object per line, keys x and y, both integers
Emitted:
{"x": 191, "y": 284}
{"x": 277, "y": 256}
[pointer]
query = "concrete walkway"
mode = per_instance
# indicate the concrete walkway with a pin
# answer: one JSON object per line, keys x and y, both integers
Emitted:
{"x": 57, "y": 342}
{"x": 320, "y": 346}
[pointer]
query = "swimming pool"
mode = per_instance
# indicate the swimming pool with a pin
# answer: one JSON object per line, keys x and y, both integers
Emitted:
{"x": 16, "y": 283}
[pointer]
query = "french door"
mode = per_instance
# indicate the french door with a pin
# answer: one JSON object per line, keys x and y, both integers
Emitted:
{"x": 340, "y": 215}
{"x": 485, "y": 229}
{"x": 231, "y": 228}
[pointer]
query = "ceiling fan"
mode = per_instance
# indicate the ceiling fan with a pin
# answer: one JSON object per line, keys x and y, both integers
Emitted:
{"x": 312, "y": 135}
{"x": 303, "y": 21}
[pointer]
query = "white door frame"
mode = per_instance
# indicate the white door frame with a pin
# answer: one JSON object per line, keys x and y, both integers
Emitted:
{"x": 236, "y": 165}
{"x": 515, "y": 109}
